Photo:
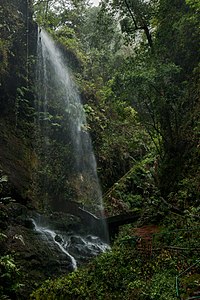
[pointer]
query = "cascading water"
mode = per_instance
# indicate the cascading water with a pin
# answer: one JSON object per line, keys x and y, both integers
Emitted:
{"x": 66, "y": 153}
{"x": 51, "y": 236}
{"x": 78, "y": 249}
{"x": 55, "y": 87}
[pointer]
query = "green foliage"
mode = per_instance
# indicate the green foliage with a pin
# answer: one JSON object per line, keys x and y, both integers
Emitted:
{"x": 162, "y": 286}
{"x": 10, "y": 275}
{"x": 24, "y": 110}
{"x": 187, "y": 194}
{"x": 183, "y": 32}
{"x": 118, "y": 143}
{"x": 123, "y": 141}
{"x": 64, "y": 21}
{"x": 159, "y": 84}
{"x": 194, "y": 4}
{"x": 120, "y": 274}
{"x": 189, "y": 284}
{"x": 136, "y": 191}
{"x": 67, "y": 38}
{"x": 135, "y": 18}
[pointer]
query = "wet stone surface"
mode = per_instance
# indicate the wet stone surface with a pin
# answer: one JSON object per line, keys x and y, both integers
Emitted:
{"x": 41, "y": 256}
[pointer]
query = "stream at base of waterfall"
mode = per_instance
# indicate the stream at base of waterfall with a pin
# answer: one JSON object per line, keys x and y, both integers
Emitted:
{"x": 75, "y": 247}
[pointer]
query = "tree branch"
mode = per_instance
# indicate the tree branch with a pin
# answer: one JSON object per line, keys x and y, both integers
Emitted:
{"x": 144, "y": 27}
{"x": 132, "y": 16}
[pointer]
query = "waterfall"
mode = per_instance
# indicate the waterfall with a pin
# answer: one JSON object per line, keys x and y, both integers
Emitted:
{"x": 62, "y": 127}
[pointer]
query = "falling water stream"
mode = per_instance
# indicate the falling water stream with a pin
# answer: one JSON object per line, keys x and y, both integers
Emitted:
{"x": 55, "y": 85}
{"x": 56, "y": 88}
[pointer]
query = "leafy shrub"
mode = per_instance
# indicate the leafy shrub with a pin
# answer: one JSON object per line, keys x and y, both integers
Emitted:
{"x": 9, "y": 277}
{"x": 123, "y": 273}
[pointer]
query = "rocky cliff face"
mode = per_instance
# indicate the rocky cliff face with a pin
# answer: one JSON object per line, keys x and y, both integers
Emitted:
{"x": 36, "y": 257}
{"x": 18, "y": 35}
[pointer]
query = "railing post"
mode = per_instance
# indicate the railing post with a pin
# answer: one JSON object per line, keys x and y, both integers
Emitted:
{"x": 177, "y": 287}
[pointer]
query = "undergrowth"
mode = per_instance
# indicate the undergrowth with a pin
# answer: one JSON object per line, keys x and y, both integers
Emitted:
{"x": 124, "y": 273}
